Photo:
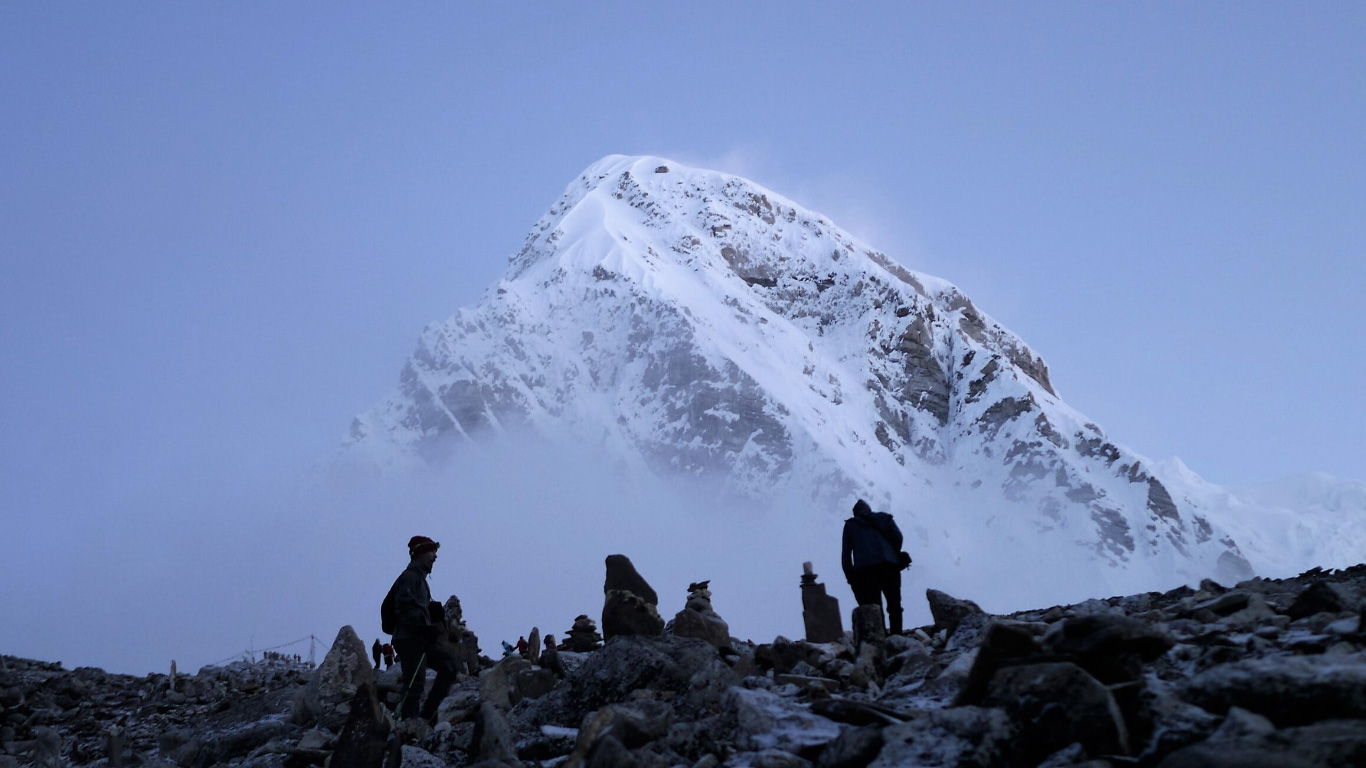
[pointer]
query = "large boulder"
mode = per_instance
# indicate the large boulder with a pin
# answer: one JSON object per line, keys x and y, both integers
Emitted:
{"x": 853, "y": 748}
{"x": 962, "y": 736}
{"x": 626, "y": 613}
{"x": 623, "y": 577}
{"x": 493, "y": 739}
{"x": 703, "y": 625}
{"x": 948, "y": 610}
{"x": 688, "y": 671}
{"x": 1112, "y": 648}
{"x": 498, "y": 683}
{"x": 363, "y": 739}
{"x": 1055, "y": 704}
{"x": 765, "y": 720}
{"x": 633, "y": 723}
{"x": 1247, "y": 740}
{"x": 1002, "y": 642}
{"x": 343, "y": 671}
{"x": 782, "y": 655}
{"x": 1290, "y": 690}
{"x": 1319, "y": 597}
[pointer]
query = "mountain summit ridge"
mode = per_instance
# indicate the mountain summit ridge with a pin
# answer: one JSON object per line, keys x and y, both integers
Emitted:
{"x": 690, "y": 321}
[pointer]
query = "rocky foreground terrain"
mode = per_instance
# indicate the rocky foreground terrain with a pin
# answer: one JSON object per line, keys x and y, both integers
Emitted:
{"x": 1264, "y": 673}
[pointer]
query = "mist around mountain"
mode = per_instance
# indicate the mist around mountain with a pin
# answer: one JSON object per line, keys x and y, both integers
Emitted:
{"x": 690, "y": 325}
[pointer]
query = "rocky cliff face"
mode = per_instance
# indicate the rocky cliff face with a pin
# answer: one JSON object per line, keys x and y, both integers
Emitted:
{"x": 690, "y": 322}
{"x": 1267, "y": 672}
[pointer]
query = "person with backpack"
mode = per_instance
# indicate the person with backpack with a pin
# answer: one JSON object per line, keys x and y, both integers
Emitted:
{"x": 873, "y": 561}
{"x": 409, "y": 614}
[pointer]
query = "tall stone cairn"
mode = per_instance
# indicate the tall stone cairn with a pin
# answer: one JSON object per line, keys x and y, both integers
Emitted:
{"x": 820, "y": 612}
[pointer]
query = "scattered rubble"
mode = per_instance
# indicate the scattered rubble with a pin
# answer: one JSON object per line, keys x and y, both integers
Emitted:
{"x": 1266, "y": 672}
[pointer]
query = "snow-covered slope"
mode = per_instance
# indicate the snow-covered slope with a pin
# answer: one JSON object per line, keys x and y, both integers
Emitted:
{"x": 689, "y": 321}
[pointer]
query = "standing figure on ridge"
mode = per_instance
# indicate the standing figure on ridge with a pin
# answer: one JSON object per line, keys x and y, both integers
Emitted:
{"x": 376, "y": 650}
{"x": 872, "y": 560}
{"x": 410, "y": 615}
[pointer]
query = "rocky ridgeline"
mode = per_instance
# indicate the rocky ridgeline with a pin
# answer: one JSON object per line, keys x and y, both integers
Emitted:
{"x": 1266, "y": 673}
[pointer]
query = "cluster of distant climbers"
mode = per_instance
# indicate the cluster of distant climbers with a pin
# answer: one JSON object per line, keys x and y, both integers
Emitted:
{"x": 273, "y": 656}
{"x": 427, "y": 634}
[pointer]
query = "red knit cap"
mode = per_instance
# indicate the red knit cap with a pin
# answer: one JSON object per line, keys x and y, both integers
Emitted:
{"x": 419, "y": 544}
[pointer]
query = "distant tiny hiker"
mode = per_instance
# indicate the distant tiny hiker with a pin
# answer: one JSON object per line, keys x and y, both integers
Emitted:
{"x": 408, "y": 613}
{"x": 376, "y": 650}
{"x": 872, "y": 560}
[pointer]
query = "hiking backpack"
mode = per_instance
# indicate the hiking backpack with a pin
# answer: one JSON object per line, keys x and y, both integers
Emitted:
{"x": 388, "y": 613}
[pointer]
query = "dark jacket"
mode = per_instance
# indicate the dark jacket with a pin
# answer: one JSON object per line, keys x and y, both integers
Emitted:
{"x": 870, "y": 538}
{"x": 411, "y": 596}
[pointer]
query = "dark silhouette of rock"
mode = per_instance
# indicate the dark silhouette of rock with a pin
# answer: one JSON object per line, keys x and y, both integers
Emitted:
{"x": 626, "y": 613}
{"x": 1112, "y": 648}
{"x": 969, "y": 632}
{"x": 1001, "y": 643}
{"x": 869, "y": 625}
{"x": 622, "y": 575}
{"x": 1247, "y": 740}
{"x": 853, "y": 748}
{"x": 962, "y": 736}
{"x": 697, "y": 619}
{"x": 782, "y": 655}
{"x": 1290, "y": 691}
{"x": 550, "y": 657}
{"x": 820, "y": 612}
{"x": 493, "y": 740}
{"x": 1319, "y": 597}
{"x": 1055, "y": 704}
{"x": 609, "y": 752}
{"x": 363, "y": 742}
{"x": 583, "y": 636}
{"x": 533, "y": 643}
{"x": 703, "y": 626}
{"x": 533, "y": 683}
{"x": 948, "y": 610}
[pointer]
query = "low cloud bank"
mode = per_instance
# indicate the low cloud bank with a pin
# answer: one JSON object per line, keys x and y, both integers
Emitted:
{"x": 211, "y": 566}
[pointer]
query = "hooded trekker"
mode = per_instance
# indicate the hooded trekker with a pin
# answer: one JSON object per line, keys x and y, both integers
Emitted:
{"x": 407, "y": 612}
{"x": 872, "y": 560}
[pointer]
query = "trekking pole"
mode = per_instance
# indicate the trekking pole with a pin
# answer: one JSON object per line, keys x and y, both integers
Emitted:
{"x": 421, "y": 660}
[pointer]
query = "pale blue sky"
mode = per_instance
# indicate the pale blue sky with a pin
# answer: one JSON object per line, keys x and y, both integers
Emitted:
{"x": 222, "y": 226}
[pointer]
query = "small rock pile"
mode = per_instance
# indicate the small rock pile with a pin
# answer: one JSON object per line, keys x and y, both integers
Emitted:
{"x": 699, "y": 620}
{"x": 583, "y": 636}
{"x": 1264, "y": 673}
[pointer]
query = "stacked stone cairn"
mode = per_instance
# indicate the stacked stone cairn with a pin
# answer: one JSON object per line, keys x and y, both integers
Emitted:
{"x": 583, "y": 636}
{"x": 1264, "y": 673}
{"x": 820, "y": 612}
{"x": 697, "y": 619}
{"x": 464, "y": 644}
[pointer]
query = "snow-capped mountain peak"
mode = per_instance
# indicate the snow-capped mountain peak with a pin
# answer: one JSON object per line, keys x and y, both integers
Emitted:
{"x": 693, "y": 322}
